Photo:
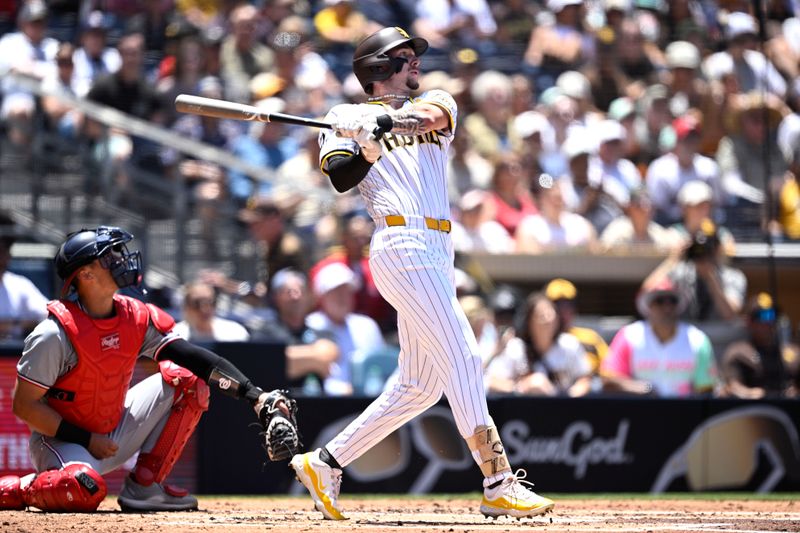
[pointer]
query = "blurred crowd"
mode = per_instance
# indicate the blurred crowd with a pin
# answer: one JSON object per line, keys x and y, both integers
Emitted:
{"x": 606, "y": 126}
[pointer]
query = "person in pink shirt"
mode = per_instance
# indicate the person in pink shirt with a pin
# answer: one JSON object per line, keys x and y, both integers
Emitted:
{"x": 661, "y": 354}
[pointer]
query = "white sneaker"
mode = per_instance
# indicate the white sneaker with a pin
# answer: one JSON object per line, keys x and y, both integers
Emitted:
{"x": 154, "y": 497}
{"x": 322, "y": 481}
{"x": 512, "y": 498}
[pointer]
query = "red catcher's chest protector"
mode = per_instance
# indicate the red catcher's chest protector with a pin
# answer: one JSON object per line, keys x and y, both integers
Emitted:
{"x": 92, "y": 395}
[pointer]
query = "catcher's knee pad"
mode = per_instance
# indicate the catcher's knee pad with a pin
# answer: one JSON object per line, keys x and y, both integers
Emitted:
{"x": 11, "y": 494}
{"x": 486, "y": 442}
{"x": 76, "y": 488}
{"x": 191, "y": 400}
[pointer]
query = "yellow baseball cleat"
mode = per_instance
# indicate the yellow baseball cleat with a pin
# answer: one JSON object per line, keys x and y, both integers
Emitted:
{"x": 512, "y": 498}
{"x": 322, "y": 481}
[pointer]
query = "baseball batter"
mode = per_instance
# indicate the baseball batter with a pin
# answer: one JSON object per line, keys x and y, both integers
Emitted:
{"x": 72, "y": 389}
{"x": 403, "y": 181}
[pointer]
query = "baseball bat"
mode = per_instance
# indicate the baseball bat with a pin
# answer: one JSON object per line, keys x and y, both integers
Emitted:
{"x": 213, "y": 107}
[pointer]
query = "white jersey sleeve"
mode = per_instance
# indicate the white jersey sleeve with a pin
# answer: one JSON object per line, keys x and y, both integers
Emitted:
{"x": 443, "y": 100}
{"x": 330, "y": 144}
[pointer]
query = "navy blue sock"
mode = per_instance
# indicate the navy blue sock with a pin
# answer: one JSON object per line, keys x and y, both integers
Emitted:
{"x": 328, "y": 459}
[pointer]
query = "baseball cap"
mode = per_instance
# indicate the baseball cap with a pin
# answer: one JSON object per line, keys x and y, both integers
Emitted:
{"x": 529, "y": 122}
{"x": 740, "y": 24}
{"x": 574, "y": 84}
{"x": 621, "y": 108}
{"x": 96, "y": 21}
{"x": 685, "y": 125}
{"x": 577, "y": 143}
{"x": 610, "y": 130}
{"x": 556, "y": 6}
{"x": 682, "y": 54}
{"x": 664, "y": 287}
{"x": 560, "y": 289}
{"x": 472, "y": 199}
{"x": 32, "y": 10}
{"x": 283, "y": 276}
{"x": 332, "y": 276}
{"x": 695, "y": 192}
{"x": 619, "y": 5}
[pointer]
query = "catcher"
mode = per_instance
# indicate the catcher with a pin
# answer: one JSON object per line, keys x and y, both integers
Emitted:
{"x": 72, "y": 389}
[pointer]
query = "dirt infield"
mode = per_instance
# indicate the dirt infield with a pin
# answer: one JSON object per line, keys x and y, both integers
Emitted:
{"x": 435, "y": 514}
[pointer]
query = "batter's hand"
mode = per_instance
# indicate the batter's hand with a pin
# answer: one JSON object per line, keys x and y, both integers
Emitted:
{"x": 349, "y": 124}
{"x": 370, "y": 147}
{"x": 102, "y": 447}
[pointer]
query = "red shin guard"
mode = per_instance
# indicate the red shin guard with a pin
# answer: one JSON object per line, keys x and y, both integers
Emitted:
{"x": 191, "y": 400}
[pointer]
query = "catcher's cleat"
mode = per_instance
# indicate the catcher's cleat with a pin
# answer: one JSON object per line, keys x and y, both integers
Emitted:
{"x": 136, "y": 498}
{"x": 512, "y": 498}
{"x": 322, "y": 481}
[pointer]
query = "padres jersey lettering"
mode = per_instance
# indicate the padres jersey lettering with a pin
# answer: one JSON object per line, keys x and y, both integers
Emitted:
{"x": 410, "y": 177}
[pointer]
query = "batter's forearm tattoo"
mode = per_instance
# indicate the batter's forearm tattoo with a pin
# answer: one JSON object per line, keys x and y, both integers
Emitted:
{"x": 407, "y": 122}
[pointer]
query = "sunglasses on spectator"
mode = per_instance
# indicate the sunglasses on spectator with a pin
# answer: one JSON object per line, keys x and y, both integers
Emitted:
{"x": 661, "y": 300}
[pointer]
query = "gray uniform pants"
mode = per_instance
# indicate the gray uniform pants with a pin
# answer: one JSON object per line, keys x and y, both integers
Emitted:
{"x": 147, "y": 407}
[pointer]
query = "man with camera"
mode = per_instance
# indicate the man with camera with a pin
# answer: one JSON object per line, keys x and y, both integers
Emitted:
{"x": 715, "y": 291}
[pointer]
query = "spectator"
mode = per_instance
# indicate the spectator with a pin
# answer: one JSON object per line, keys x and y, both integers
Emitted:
{"x": 754, "y": 71}
{"x": 667, "y": 174}
{"x": 22, "y": 305}
{"x": 534, "y": 141}
{"x": 576, "y": 87}
{"x": 505, "y": 303}
{"x": 356, "y": 335}
{"x": 449, "y": 24}
{"x": 467, "y": 169}
{"x": 623, "y": 110}
{"x": 353, "y": 251}
{"x": 206, "y": 182}
{"x": 741, "y": 153}
{"x": 660, "y": 353}
{"x": 340, "y": 26}
{"x": 654, "y": 114}
{"x": 185, "y": 75}
{"x": 638, "y": 58}
{"x": 309, "y": 352}
{"x": 715, "y": 291}
{"x": 62, "y": 116}
{"x": 25, "y": 52}
{"x": 489, "y": 126}
{"x": 687, "y": 90}
{"x": 481, "y": 321}
{"x": 510, "y": 198}
{"x": 757, "y": 366}
{"x": 93, "y": 59}
{"x": 554, "y": 228}
{"x": 540, "y": 360}
{"x": 608, "y": 170}
{"x": 559, "y": 46}
{"x": 261, "y": 146}
{"x": 564, "y": 296}
{"x": 635, "y": 230}
{"x": 788, "y": 190}
{"x": 241, "y": 55}
{"x": 200, "y": 320}
{"x": 581, "y": 196}
{"x": 476, "y": 230}
{"x": 696, "y": 201}
{"x": 128, "y": 91}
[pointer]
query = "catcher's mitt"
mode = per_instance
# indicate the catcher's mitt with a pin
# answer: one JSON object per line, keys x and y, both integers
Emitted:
{"x": 281, "y": 439}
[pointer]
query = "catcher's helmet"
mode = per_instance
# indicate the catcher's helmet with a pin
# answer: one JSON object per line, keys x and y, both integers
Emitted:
{"x": 105, "y": 243}
{"x": 370, "y": 62}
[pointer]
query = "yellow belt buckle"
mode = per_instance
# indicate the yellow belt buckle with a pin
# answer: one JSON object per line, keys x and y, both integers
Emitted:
{"x": 395, "y": 220}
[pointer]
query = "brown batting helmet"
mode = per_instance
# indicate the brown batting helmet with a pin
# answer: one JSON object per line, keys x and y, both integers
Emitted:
{"x": 370, "y": 61}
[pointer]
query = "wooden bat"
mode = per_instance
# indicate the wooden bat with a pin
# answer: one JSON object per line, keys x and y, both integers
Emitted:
{"x": 212, "y": 107}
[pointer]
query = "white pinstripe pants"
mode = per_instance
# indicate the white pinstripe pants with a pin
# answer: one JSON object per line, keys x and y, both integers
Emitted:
{"x": 413, "y": 270}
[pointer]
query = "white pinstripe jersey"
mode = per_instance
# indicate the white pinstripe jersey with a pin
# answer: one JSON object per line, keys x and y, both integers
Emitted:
{"x": 410, "y": 178}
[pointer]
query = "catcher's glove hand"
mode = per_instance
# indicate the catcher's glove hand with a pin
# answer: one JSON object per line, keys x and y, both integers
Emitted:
{"x": 277, "y": 412}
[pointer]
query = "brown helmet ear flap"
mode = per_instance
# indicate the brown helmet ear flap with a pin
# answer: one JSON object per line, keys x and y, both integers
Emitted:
{"x": 486, "y": 441}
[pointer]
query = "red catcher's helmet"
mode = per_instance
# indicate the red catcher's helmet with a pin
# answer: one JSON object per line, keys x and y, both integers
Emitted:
{"x": 370, "y": 62}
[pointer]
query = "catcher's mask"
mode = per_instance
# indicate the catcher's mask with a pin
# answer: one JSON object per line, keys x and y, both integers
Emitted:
{"x": 106, "y": 243}
{"x": 371, "y": 62}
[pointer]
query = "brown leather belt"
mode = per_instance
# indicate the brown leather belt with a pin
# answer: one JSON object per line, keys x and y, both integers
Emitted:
{"x": 430, "y": 223}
